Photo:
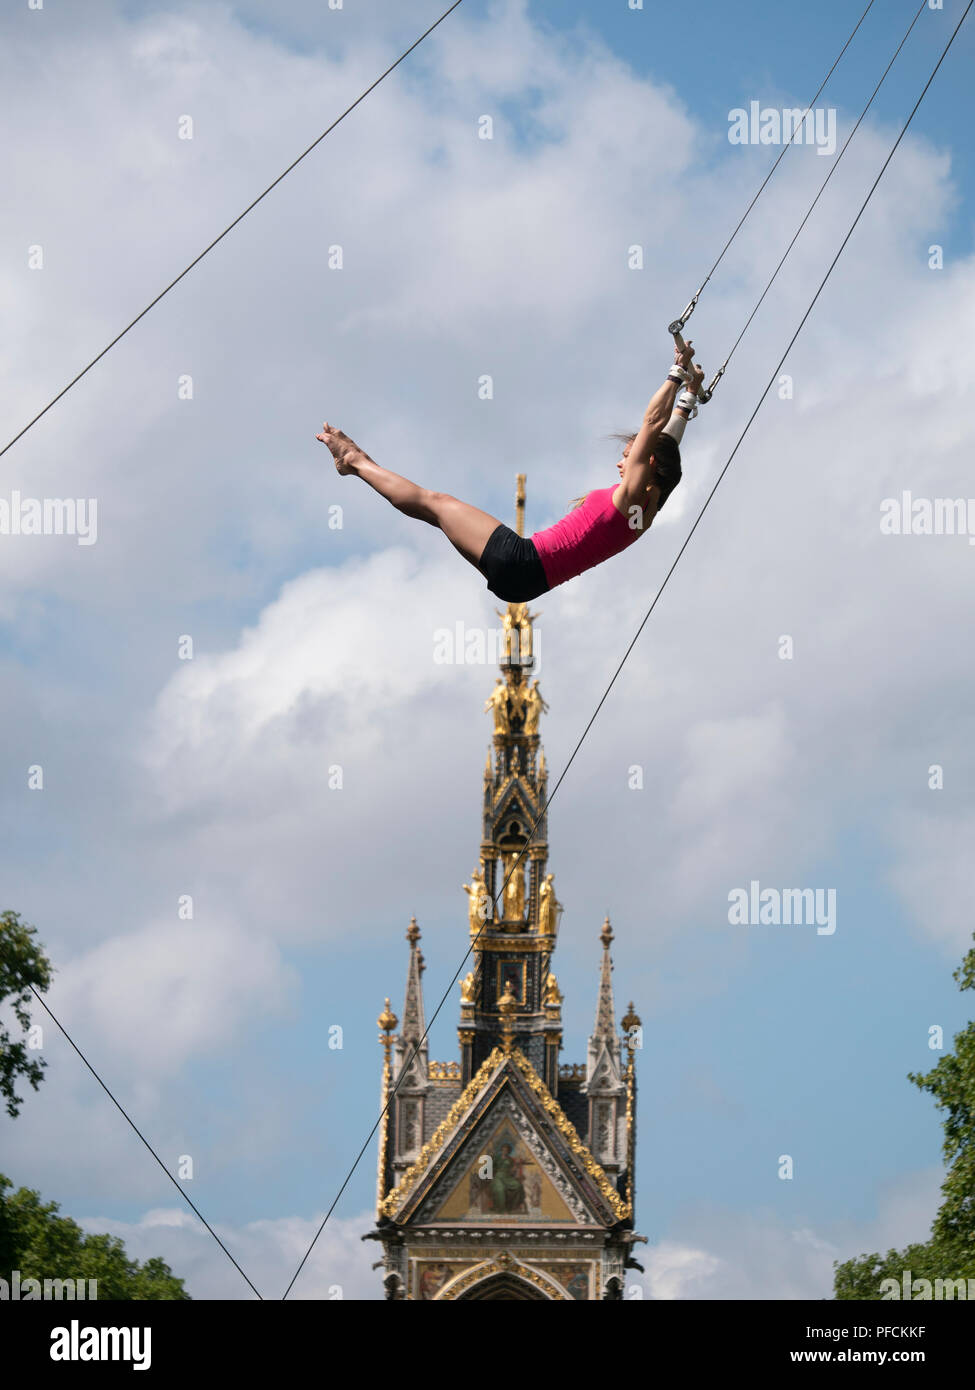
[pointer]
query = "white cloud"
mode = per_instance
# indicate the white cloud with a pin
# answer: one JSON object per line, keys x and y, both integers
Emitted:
{"x": 268, "y": 1252}
{"x": 935, "y": 874}
{"x": 673, "y": 1270}
{"x": 170, "y": 992}
{"x": 330, "y": 654}
{"x": 756, "y": 1255}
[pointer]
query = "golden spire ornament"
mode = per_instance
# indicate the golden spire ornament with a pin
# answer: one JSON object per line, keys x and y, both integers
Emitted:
{"x": 387, "y": 1021}
{"x": 631, "y": 1023}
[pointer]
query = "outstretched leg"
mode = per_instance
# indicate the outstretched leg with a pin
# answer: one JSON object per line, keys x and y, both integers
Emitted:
{"x": 466, "y": 527}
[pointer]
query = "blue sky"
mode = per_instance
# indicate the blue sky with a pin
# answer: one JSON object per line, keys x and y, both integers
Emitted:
{"x": 313, "y": 646}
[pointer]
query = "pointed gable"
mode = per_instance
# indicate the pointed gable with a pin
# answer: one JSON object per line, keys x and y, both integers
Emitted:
{"x": 539, "y": 1171}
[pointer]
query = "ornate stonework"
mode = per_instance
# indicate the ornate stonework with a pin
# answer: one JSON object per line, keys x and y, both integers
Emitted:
{"x": 506, "y": 1108}
{"x": 503, "y": 1264}
{"x": 398, "y": 1198}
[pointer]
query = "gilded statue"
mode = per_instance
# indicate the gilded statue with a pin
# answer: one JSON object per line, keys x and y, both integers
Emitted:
{"x": 514, "y": 890}
{"x": 548, "y": 906}
{"x": 467, "y": 988}
{"x": 553, "y": 995}
{"x": 498, "y": 701}
{"x": 534, "y": 705}
{"x": 517, "y": 619}
{"x": 478, "y": 900}
{"x": 517, "y": 694}
{"x": 510, "y": 626}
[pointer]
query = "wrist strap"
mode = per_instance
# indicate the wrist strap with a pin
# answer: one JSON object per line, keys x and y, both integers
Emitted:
{"x": 679, "y": 374}
{"x": 686, "y": 400}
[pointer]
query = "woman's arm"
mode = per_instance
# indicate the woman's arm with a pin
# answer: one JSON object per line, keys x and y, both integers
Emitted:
{"x": 636, "y": 477}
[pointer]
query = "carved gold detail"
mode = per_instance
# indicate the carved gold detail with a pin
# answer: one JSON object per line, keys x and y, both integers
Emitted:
{"x": 534, "y": 705}
{"x": 630, "y": 1021}
{"x": 387, "y": 1021}
{"x": 396, "y": 1199}
{"x": 460, "y": 1105}
{"x": 444, "y": 1071}
{"x": 498, "y": 702}
{"x": 630, "y": 1129}
{"x": 621, "y": 1209}
{"x": 479, "y": 901}
{"x": 553, "y": 995}
{"x": 514, "y": 888}
{"x": 549, "y": 907}
{"x": 516, "y": 622}
{"x": 501, "y": 1264}
{"x": 513, "y": 942}
{"x": 507, "y": 1008}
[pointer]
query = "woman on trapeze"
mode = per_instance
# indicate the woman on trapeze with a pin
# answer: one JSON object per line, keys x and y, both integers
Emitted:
{"x": 603, "y": 523}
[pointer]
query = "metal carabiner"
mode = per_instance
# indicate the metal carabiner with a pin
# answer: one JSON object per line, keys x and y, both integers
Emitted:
{"x": 708, "y": 391}
{"x": 676, "y": 327}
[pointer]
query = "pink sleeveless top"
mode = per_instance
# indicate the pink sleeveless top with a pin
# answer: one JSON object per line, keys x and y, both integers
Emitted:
{"x": 584, "y": 537}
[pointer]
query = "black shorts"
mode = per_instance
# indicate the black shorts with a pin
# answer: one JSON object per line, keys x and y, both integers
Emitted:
{"x": 511, "y": 566}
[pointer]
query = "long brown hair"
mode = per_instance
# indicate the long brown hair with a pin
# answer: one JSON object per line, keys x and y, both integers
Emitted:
{"x": 624, "y": 439}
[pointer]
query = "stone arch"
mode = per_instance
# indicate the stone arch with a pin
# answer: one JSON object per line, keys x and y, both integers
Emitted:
{"x": 505, "y": 1286}
{"x": 503, "y": 1277}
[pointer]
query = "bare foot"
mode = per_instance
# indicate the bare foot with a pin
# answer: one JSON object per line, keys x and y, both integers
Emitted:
{"x": 346, "y": 452}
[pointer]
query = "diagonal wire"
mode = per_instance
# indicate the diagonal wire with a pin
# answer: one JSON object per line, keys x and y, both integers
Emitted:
{"x": 118, "y": 337}
{"x": 185, "y": 1196}
{"x": 643, "y": 624}
{"x": 822, "y": 188}
{"x": 782, "y": 153}
{"x": 239, "y": 218}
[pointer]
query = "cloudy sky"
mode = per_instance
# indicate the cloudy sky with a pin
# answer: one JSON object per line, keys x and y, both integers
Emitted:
{"x": 313, "y": 642}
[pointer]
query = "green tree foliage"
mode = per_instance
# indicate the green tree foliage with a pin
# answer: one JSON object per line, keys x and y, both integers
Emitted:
{"x": 862, "y": 1278}
{"x": 39, "y": 1243}
{"x": 22, "y": 964}
{"x": 950, "y": 1251}
{"x": 952, "y": 1083}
